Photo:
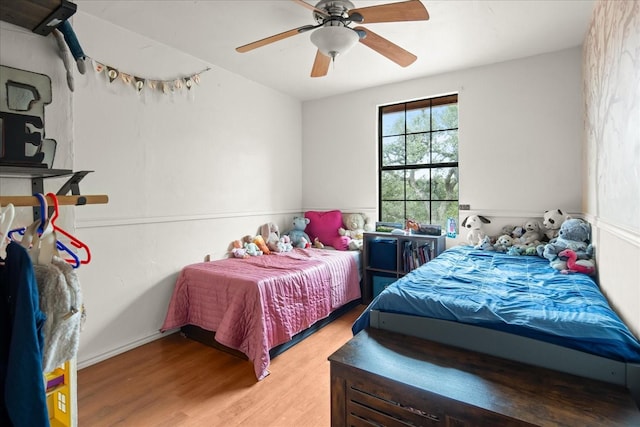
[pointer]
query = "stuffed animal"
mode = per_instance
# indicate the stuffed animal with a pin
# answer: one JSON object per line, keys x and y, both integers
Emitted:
{"x": 261, "y": 244}
{"x": 270, "y": 232}
{"x": 474, "y": 224}
{"x": 514, "y": 250}
{"x": 575, "y": 265}
{"x": 532, "y": 235}
{"x": 284, "y": 244}
{"x": 299, "y": 238}
{"x": 503, "y": 243}
{"x": 251, "y": 248}
{"x": 485, "y": 244}
{"x": 551, "y": 222}
{"x": 355, "y": 223}
{"x": 237, "y": 250}
{"x": 515, "y": 232}
{"x": 318, "y": 244}
{"x": 574, "y": 235}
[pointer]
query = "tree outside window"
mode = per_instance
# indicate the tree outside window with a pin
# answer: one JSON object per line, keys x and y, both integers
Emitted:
{"x": 418, "y": 161}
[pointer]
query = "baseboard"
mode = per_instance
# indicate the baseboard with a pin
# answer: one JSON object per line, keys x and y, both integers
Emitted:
{"x": 84, "y": 363}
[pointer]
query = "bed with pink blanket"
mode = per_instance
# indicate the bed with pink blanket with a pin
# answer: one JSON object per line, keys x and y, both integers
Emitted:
{"x": 255, "y": 304}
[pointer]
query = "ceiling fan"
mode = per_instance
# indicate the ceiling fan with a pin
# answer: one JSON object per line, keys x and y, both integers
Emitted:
{"x": 333, "y": 34}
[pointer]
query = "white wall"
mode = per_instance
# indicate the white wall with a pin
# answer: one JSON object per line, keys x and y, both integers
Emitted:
{"x": 612, "y": 147}
{"x": 185, "y": 175}
{"x": 519, "y": 141}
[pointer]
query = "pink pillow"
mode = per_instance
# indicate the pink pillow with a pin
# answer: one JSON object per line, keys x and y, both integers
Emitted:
{"x": 324, "y": 225}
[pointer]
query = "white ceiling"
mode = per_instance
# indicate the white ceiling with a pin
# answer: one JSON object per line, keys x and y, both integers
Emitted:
{"x": 459, "y": 34}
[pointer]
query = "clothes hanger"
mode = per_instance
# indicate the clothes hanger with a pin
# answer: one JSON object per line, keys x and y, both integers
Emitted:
{"x": 38, "y": 227}
{"x": 74, "y": 240}
{"x": 40, "y": 238}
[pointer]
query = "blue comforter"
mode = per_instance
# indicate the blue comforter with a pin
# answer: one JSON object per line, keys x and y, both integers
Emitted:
{"x": 516, "y": 294}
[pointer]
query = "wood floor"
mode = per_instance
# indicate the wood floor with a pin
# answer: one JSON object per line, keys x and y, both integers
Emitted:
{"x": 175, "y": 381}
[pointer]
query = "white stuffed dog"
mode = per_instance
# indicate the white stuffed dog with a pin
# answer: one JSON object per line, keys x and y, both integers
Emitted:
{"x": 474, "y": 224}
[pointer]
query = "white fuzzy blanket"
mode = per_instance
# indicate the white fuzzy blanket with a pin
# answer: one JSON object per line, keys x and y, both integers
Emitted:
{"x": 61, "y": 301}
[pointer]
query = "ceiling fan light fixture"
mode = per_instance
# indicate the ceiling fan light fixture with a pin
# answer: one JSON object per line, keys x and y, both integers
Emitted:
{"x": 334, "y": 40}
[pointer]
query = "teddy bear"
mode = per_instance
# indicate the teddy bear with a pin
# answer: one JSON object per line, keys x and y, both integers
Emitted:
{"x": 551, "y": 222}
{"x": 356, "y": 224}
{"x": 503, "y": 243}
{"x": 574, "y": 235}
{"x": 299, "y": 238}
{"x": 474, "y": 224}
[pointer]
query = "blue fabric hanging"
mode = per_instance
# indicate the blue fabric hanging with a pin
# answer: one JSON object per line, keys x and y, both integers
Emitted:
{"x": 22, "y": 388}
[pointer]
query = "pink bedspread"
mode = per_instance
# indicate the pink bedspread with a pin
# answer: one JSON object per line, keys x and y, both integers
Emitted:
{"x": 257, "y": 303}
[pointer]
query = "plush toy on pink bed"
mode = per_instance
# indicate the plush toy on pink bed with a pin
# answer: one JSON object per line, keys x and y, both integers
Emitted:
{"x": 355, "y": 226}
{"x": 299, "y": 238}
{"x": 237, "y": 250}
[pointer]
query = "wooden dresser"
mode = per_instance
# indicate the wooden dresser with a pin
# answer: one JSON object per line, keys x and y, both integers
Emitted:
{"x": 381, "y": 378}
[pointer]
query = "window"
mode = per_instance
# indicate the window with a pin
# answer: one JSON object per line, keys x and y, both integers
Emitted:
{"x": 418, "y": 161}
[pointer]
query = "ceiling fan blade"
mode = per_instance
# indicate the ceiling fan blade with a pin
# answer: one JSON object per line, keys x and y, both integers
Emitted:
{"x": 274, "y": 38}
{"x": 384, "y": 47}
{"x": 310, "y": 7}
{"x": 412, "y": 10}
{"x": 320, "y": 65}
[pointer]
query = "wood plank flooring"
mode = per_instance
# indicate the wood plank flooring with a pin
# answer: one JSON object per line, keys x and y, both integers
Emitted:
{"x": 175, "y": 381}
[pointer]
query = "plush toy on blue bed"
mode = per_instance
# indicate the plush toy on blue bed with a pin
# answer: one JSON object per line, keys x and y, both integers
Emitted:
{"x": 299, "y": 238}
{"x": 474, "y": 223}
{"x": 574, "y": 235}
{"x": 485, "y": 244}
{"x": 503, "y": 243}
{"x": 551, "y": 223}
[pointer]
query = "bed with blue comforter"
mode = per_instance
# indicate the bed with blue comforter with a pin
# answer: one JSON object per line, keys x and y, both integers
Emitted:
{"x": 517, "y": 295}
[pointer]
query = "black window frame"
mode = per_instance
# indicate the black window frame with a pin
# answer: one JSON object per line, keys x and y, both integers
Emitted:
{"x": 402, "y": 106}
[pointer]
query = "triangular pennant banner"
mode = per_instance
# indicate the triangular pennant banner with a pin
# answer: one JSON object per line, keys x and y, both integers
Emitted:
{"x": 112, "y": 73}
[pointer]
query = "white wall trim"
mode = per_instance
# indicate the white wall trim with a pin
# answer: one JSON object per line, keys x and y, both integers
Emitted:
{"x": 509, "y": 214}
{"x": 123, "y": 222}
{"x": 122, "y": 349}
{"x": 623, "y": 233}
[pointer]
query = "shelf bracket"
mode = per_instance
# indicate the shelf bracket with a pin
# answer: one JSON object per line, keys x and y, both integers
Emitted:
{"x": 72, "y": 184}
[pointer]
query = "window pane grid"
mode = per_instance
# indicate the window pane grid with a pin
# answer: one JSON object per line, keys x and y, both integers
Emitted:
{"x": 419, "y": 160}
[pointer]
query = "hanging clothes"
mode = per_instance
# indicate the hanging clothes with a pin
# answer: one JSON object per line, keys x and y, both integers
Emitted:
{"x": 22, "y": 342}
{"x": 61, "y": 301}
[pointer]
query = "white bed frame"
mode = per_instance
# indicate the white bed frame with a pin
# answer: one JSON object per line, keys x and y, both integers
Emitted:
{"x": 513, "y": 347}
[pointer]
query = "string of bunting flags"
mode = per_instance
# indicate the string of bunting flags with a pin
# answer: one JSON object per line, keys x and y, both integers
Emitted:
{"x": 143, "y": 83}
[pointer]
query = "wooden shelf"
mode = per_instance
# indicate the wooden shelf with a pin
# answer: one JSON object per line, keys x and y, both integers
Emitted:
{"x": 39, "y": 16}
{"x": 31, "y": 172}
{"x": 393, "y": 263}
